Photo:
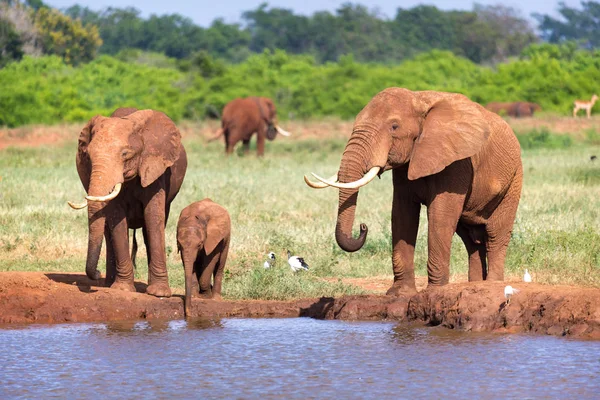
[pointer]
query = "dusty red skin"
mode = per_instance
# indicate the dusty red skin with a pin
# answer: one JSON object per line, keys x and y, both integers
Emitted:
{"x": 27, "y": 297}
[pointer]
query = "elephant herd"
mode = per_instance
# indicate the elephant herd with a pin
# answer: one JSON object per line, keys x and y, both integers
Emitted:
{"x": 445, "y": 151}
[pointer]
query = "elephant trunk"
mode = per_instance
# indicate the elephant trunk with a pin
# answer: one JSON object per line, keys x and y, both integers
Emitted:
{"x": 352, "y": 168}
{"x": 188, "y": 258}
{"x": 99, "y": 185}
{"x": 96, "y": 221}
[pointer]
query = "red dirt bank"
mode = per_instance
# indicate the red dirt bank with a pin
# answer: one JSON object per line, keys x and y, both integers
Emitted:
{"x": 33, "y": 297}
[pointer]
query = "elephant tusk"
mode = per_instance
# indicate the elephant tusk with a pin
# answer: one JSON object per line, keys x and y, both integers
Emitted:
{"x": 282, "y": 131}
{"x": 77, "y": 206}
{"x": 319, "y": 185}
{"x": 369, "y": 176}
{"x": 108, "y": 197}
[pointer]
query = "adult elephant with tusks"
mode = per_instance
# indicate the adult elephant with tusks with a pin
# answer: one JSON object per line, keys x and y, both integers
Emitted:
{"x": 446, "y": 152}
{"x": 243, "y": 117}
{"x": 131, "y": 165}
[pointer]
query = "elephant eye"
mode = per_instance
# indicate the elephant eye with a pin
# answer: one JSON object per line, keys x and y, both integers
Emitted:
{"x": 127, "y": 154}
{"x": 394, "y": 126}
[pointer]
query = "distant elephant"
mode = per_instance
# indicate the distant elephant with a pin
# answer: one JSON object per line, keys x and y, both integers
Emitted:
{"x": 518, "y": 109}
{"x": 132, "y": 165}
{"x": 446, "y": 152}
{"x": 243, "y": 117}
{"x": 203, "y": 234}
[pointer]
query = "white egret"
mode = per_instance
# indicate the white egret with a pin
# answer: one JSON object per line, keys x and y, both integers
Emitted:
{"x": 509, "y": 291}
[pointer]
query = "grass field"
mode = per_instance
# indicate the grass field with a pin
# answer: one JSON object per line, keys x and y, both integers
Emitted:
{"x": 556, "y": 235}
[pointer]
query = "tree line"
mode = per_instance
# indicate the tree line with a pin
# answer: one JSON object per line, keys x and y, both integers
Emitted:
{"x": 485, "y": 34}
{"x": 46, "y": 90}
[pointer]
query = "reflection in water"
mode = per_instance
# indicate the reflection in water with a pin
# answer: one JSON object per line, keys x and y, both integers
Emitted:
{"x": 289, "y": 358}
{"x": 155, "y": 326}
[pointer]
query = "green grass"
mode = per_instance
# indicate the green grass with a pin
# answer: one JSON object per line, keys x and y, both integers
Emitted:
{"x": 556, "y": 234}
{"x": 543, "y": 139}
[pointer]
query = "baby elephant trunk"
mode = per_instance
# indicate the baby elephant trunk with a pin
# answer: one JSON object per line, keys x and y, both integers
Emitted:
{"x": 189, "y": 258}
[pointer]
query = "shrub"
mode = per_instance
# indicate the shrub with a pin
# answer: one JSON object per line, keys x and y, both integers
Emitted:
{"x": 48, "y": 90}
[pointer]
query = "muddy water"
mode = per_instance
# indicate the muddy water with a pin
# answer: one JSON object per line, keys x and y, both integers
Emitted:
{"x": 289, "y": 358}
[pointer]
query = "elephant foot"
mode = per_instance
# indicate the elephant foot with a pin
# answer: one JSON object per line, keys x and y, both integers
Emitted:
{"x": 94, "y": 275}
{"x": 125, "y": 286}
{"x": 206, "y": 295}
{"x": 401, "y": 290}
{"x": 494, "y": 277}
{"x": 159, "y": 289}
{"x": 109, "y": 280}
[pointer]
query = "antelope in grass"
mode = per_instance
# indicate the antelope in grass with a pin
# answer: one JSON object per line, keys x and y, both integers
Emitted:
{"x": 584, "y": 105}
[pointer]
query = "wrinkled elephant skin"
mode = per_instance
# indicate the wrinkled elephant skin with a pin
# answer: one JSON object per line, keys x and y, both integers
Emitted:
{"x": 448, "y": 153}
{"x": 131, "y": 165}
{"x": 203, "y": 234}
{"x": 242, "y": 117}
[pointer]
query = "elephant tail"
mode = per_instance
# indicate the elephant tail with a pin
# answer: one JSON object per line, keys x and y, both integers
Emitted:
{"x": 217, "y": 135}
{"x": 134, "y": 248}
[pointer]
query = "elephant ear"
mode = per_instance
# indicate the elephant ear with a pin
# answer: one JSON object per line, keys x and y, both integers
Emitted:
{"x": 83, "y": 162}
{"x": 161, "y": 143}
{"x": 217, "y": 229}
{"x": 269, "y": 116}
{"x": 453, "y": 129}
{"x": 269, "y": 107}
{"x": 123, "y": 112}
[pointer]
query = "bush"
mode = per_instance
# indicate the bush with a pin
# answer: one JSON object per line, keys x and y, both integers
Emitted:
{"x": 48, "y": 90}
{"x": 62, "y": 36}
{"x": 543, "y": 139}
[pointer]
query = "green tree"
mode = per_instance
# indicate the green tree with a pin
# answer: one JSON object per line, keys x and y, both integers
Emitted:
{"x": 67, "y": 38}
{"x": 423, "y": 28}
{"x": 11, "y": 47}
{"x": 582, "y": 25}
{"x": 277, "y": 28}
{"x": 488, "y": 33}
{"x": 228, "y": 41}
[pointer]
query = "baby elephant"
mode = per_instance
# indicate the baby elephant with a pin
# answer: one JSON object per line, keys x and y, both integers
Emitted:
{"x": 203, "y": 233}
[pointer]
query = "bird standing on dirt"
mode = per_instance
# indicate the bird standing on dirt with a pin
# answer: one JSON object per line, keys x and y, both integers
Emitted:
{"x": 508, "y": 292}
{"x": 297, "y": 263}
{"x": 270, "y": 260}
{"x": 526, "y": 276}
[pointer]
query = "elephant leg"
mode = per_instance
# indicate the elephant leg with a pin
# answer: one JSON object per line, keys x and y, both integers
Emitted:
{"x": 207, "y": 274}
{"x": 145, "y": 235}
{"x": 476, "y": 252}
{"x": 443, "y": 214}
{"x": 154, "y": 218}
{"x": 499, "y": 229}
{"x": 260, "y": 144}
{"x": 120, "y": 244}
{"x": 231, "y": 139}
{"x": 246, "y": 144}
{"x": 196, "y": 276}
{"x": 219, "y": 270}
{"x": 405, "y": 226}
{"x": 111, "y": 262}
{"x": 229, "y": 145}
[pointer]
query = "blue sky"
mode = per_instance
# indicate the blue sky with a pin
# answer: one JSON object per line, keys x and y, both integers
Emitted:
{"x": 203, "y": 12}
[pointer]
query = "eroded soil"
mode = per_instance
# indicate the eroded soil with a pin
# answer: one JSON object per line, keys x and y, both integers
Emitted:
{"x": 34, "y": 297}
